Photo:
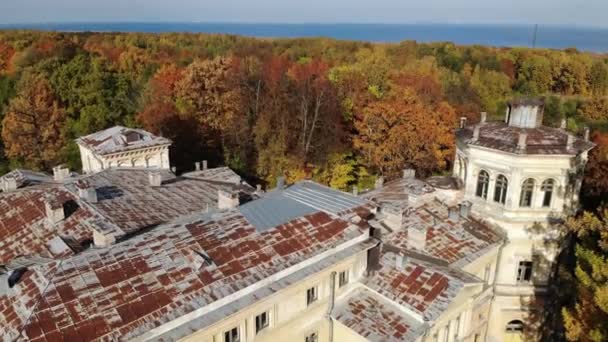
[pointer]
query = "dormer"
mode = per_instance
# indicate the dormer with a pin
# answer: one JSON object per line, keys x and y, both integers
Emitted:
{"x": 132, "y": 136}
{"x": 525, "y": 113}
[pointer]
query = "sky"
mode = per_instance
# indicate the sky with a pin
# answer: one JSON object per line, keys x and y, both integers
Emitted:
{"x": 554, "y": 12}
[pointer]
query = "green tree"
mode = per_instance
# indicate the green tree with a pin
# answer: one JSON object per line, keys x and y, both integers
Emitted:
{"x": 492, "y": 87}
{"x": 598, "y": 78}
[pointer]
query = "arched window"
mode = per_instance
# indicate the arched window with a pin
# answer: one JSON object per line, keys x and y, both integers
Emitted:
{"x": 547, "y": 189}
{"x": 515, "y": 326}
{"x": 500, "y": 190}
{"x": 527, "y": 188}
{"x": 482, "y": 184}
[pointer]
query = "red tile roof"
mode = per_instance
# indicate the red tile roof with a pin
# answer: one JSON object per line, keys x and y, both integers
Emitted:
{"x": 129, "y": 288}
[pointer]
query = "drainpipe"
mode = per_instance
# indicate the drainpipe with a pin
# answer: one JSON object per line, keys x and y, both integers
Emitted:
{"x": 330, "y": 309}
{"x": 496, "y": 272}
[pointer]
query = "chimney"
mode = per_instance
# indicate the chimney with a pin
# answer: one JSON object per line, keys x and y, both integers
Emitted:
{"x": 60, "y": 173}
{"x": 102, "y": 240}
{"x": 476, "y": 133}
{"x": 155, "y": 179}
{"x": 586, "y": 132}
{"x": 484, "y": 117}
{"x": 173, "y": 169}
{"x": 355, "y": 190}
{"x": 227, "y": 199}
{"x": 521, "y": 142}
{"x": 393, "y": 217}
{"x": 416, "y": 237}
{"x": 204, "y": 165}
{"x": 453, "y": 213}
{"x": 258, "y": 188}
{"x": 409, "y": 174}
{"x": 86, "y": 191}
{"x": 197, "y": 166}
{"x": 9, "y": 184}
{"x": 54, "y": 210}
{"x": 280, "y": 182}
{"x": 463, "y": 121}
{"x": 563, "y": 124}
{"x": 465, "y": 208}
{"x": 399, "y": 261}
{"x": 570, "y": 141}
{"x": 379, "y": 182}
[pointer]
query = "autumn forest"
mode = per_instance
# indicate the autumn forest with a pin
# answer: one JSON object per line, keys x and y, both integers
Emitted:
{"x": 339, "y": 112}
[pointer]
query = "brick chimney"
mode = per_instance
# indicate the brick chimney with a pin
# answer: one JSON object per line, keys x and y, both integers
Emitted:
{"x": 463, "y": 121}
{"x": 204, "y": 165}
{"x": 61, "y": 173}
{"x": 409, "y": 174}
{"x": 416, "y": 236}
{"x": 355, "y": 190}
{"x": 483, "y": 117}
{"x": 227, "y": 199}
{"x": 563, "y": 124}
{"x": 400, "y": 261}
{"x": 197, "y": 166}
{"x": 86, "y": 191}
{"x": 476, "y": 133}
{"x": 570, "y": 141}
{"x": 586, "y": 132}
{"x": 155, "y": 179}
{"x": 9, "y": 184}
{"x": 454, "y": 213}
{"x": 280, "y": 182}
{"x": 54, "y": 210}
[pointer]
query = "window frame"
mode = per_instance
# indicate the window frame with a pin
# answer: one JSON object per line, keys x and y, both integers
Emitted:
{"x": 260, "y": 327}
{"x": 515, "y": 326}
{"x": 524, "y": 267}
{"x": 501, "y": 187}
{"x": 343, "y": 278}
{"x": 548, "y": 188}
{"x": 228, "y": 337}
{"x": 312, "y": 337}
{"x": 483, "y": 183}
{"x": 526, "y": 196}
{"x": 311, "y": 300}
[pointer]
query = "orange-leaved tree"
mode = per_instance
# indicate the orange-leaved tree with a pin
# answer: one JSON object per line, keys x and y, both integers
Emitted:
{"x": 34, "y": 124}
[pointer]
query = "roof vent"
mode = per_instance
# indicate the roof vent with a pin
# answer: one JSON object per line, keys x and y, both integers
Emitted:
{"x": 453, "y": 213}
{"x": 483, "y": 117}
{"x": 9, "y": 184}
{"x": 521, "y": 142}
{"x": 204, "y": 165}
{"x": 400, "y": 260}
{"x": 197, "y": 166}
{"x": 86, "y": 191}
{"x": 463, "y": 121}
{"x": 465, "y": 209}
{"x": 379, "y": 182}
{"x": 586, "y": 132}
{"x": 570, "y": 141}
{"x": 61, "y": 173}
{"x": 355, "y": 190}
{"x": 563, "y": 124}
{"x": 227, "y": 199}
{"x": 476, "y": 133}
{"x": 409, "y": 174}
{"x": 155, "y": 179}
{"x": 280, "y": 182}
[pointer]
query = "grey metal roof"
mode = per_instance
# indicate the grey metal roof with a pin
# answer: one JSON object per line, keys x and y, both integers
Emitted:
{"x": 303, "y": 198}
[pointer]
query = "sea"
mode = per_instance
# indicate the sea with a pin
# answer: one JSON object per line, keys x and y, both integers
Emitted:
{"x": 554, "y": 37}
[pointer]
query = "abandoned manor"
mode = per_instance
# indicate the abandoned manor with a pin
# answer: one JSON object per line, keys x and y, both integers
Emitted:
{"x": 130, "y": 250}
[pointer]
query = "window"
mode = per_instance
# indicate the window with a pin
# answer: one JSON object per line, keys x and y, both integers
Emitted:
{"x": 456, "y": 328}
{"x": 232, "y": 335}
{"x": 500, "y": 190}
{"x": 476, "y": 338}
{"x": 313, "y": 337}
{"x": 436, "y": 337}
{"x": 524, "y": 271}
{"x": 547, "y": 189}
{"x": 515, "y": 326}
{"x": 261, "y": 322}
{"x": 311, "y": 295}
{"x": 446, "y": 335}
{"x": 525, "y": 199}
{"x": 343, "y": 278}
{"x": 482, "y": 184}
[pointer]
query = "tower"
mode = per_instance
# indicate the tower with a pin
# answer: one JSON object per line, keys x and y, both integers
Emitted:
{"x": 524, "y": 178}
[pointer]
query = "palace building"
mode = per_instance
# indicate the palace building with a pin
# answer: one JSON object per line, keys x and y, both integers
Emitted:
{"x": 131, "y": 251}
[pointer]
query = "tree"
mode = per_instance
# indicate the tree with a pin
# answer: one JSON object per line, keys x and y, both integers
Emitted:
{"x": 595, "y": 109}
{"x": 492, "y": 87}
{"x": 401, "y": 130}
{"x": 598, "y": 78}
{"x": 587, "y": 318}
{"x": 535, "y": 75}
{"x": 33, "y": 126}
{"x": 595, "y": 183}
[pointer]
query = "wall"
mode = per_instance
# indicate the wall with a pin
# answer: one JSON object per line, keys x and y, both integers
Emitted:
{"x": 290, "y": 318}
{"x": 154, "y": 157}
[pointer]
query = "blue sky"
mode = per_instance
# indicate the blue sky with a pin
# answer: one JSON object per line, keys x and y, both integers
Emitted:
{"x": 558, "y": 12}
